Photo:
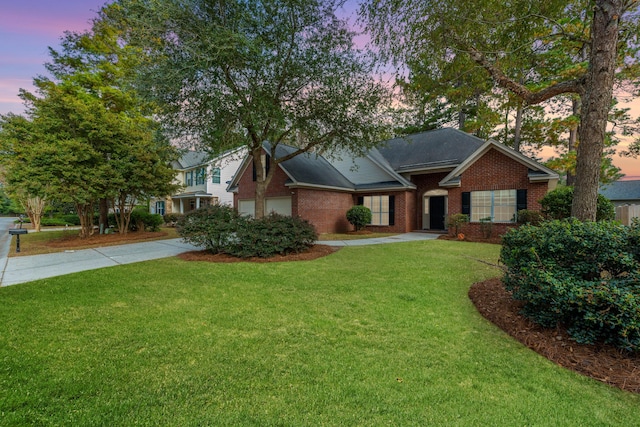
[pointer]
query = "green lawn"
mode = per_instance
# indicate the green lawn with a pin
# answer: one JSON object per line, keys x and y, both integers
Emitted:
{"x": 371, "y": 335}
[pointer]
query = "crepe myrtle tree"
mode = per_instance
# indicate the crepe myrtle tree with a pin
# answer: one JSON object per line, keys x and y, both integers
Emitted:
{"x": 242, "y": 73}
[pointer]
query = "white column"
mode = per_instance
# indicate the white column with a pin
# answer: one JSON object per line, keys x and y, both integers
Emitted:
{"x": 181, "y": 206}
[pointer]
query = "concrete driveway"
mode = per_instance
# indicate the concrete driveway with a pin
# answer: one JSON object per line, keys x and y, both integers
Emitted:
{"x": 28, "y": 268}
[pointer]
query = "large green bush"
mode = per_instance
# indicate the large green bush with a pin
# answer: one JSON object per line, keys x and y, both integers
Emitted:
{"x": 272, "y": 235}
{"x": 142, "y": 219}
{"x": 556, "y": 204}
{"x": 359, "y": 216}
{"x": 220, "y": 229}
{"x": 212, "y": 227}
{"x": 584, "y": 276}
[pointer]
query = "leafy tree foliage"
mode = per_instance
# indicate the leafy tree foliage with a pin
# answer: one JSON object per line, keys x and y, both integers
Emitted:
{"x": 556, "y": 204}
{"x": 235, "y": 73}
{"x": 536, "y": 50}
{"x": 87, "y": 135}
{"x": 583, "y": 275}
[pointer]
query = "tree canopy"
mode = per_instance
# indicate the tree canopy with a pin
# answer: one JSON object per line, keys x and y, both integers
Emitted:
{"x": 535, "y": 50}
{"x": 87, "y": 135}
{"x": 241, "y": 73}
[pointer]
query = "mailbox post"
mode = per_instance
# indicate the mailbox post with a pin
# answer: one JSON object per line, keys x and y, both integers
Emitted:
{"x": 17, "y": 232}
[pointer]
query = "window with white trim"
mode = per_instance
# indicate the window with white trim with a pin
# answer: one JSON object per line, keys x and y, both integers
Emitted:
{"x": 160, "y": 208}
{"x": 379, "y": 206}
{"x": 215, "y": 175}
{"x": 499, "y": 205}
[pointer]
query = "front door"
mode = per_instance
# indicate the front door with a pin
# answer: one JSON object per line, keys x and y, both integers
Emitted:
{"x": 436, "y": 212}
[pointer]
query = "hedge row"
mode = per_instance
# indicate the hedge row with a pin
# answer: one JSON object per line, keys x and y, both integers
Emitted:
{"x": 219, "y": 229}
{"x": 582, "y": 275}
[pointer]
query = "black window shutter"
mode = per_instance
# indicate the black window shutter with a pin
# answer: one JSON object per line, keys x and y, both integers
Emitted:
{"x": 466, "y": 203}
{"x": 267, "y": 165}
{"x": 392, "y": 210}
{"x": 521, "y": 200}
{"x": 255, "y": 174}
{"x": 360, "y": 201}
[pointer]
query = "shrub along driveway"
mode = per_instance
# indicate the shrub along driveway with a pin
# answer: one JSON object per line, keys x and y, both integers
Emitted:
{"x": 371, "y": 335}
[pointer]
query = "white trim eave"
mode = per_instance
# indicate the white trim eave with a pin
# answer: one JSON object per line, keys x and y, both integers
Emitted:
{"x": 420, "y": 171}
{"x": 318, "y": 187}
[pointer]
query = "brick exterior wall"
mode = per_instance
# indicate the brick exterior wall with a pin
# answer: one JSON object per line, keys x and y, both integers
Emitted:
{"x": 495, "y": 171}
{"x": 327, "y": 209}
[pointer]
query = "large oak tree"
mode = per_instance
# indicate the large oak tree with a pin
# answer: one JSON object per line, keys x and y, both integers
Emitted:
{"x": 242, "y": 73}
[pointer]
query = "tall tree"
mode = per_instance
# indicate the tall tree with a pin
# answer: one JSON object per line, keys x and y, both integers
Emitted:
{"x": 88, "y": 135}
{"x": 239, "y": 72}
{"x": 492, "y": 32}
{"x": 16, "y": 143}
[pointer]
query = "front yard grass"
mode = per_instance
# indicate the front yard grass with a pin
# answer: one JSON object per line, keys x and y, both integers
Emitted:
{"x": 371, "y": 335}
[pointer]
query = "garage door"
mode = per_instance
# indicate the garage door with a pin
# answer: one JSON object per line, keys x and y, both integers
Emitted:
{"x": 280, "y": 205}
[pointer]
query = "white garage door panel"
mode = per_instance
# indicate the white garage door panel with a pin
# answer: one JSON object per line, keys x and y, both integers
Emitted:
{"x": 281, "y": 205}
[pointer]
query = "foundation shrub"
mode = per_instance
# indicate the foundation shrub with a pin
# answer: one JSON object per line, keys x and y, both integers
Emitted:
{"x": 274, "y": 234}
{"x": 211, "y": 227}
{"x": 526, "y": 216}
{"x": 359, "y": 216}
{"x": 220, "y": 229}
{"x": 582, "y": 275}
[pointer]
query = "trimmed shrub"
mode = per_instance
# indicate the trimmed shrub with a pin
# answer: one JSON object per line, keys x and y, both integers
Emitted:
{"x": 142, "y": 219}
{"x": 359, "y": 216}
{"x": 584, "y": 276}
{"x": 171, "y": 218}
{"x": 526, "y": 216}
{"x": 455, "y": 221}
{"x": 212, "y": 227}
{"x": 556, "y": 204}
{"x": 274, "y": 234}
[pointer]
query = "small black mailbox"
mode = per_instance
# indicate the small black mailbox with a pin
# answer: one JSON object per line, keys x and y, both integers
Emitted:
{"x": 17, "y": 232}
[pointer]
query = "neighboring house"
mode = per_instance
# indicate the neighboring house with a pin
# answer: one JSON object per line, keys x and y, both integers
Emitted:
{"x": 625, "y": 196}
{"x": 622, "y": 192}
{"x": 204, "y": 181}
{"x": 409, "y": 183}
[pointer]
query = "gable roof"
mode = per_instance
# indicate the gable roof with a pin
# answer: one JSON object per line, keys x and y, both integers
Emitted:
{"x": 191, "y": 159}
{"x": 385, "y": 167}
{"x": 621, "y": 190}
{"x": 537, "y": 172}
{"x": 440, "y": 149}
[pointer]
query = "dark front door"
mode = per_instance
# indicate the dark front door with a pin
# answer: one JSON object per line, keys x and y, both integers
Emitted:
{"x": 436, "y": 212}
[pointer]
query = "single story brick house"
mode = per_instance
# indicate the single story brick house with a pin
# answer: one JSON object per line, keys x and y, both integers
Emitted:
{"x": 409, "y": 183}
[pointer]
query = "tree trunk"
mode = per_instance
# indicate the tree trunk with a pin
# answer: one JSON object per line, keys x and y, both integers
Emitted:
{"x": 596, "y": 103}
{"x": 104, "y": 215}
{"x": 85, "y": 213}
{"x": 573, "y": 137}
{"x": 34, "y": 207}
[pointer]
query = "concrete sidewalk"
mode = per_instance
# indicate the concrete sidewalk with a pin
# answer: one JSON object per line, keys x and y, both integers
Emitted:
{"x": 28, "y": 268}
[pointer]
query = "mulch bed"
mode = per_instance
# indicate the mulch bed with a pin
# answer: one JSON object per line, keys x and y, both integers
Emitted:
{"x": 601, "y": 362}
{"x": 73, "y": 241}
{"x": 316, "y": 251}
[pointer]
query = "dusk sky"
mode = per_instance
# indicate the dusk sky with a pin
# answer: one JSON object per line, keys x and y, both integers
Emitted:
{"x": 28, "y": 27}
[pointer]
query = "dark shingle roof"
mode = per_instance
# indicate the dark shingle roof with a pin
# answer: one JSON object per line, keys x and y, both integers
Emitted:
{"x": 310, "y": 168}
{"x": 621, "y": 190}
{"x": 432, "y": 149}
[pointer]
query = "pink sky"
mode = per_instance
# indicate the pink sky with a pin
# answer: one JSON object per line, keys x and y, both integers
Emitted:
{"x": 29, "y": 27}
